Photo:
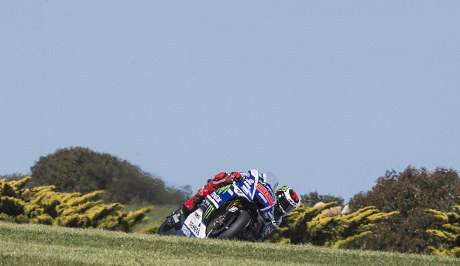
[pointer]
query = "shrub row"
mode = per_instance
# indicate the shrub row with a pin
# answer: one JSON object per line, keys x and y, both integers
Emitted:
{"x": 46, "y": 206}
{"x": 313, "y": 226}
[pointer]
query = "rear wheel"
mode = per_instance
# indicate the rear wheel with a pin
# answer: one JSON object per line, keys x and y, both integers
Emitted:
{"x": 227, "y": 225}
{"x": 166, "y": 229}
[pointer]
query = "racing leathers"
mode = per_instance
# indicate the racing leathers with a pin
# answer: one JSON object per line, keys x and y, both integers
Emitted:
{"x": 220, "y": 180}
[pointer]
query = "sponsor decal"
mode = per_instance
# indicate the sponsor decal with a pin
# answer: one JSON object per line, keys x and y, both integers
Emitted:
{"x": 284, "y": 189}
{"x": 223, "y": 189}
{"x": 209, "y": 210}
{"x": 238, "y": 191}
{"x": 186, "y": 231}
{"x": 262, "y": 197}
{"x": 195, "y": 228}
{"x": 248, "y": 182}
{"x": 247, "y": 185}
{"x": 233, "y": 209}
{"x": 266, "y": 194}
{"x": 216, "y": 197}
{"x": 245, "y": 189}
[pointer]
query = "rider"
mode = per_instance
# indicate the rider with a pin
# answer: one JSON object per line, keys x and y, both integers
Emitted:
{"x": 286, "y": 202}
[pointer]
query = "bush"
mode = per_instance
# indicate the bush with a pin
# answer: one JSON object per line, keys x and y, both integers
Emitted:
{"x": 448, "y": 233}
{"x": 46, "y": 206}
{"x": 314, "y": 226}
{"x": 83, "y": 170}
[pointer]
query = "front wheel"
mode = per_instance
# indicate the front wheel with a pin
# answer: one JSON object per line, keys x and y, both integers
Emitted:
{"x": 228, "y": 226}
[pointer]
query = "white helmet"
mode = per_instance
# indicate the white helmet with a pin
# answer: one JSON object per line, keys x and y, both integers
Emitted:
{"x": 287, "y": 201}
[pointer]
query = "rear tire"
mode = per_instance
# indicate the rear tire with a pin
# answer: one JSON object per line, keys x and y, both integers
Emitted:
{"x": 165, "y": 229}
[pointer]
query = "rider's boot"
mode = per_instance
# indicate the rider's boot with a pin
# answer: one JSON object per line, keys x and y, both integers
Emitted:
{"x": 192, "y": 204}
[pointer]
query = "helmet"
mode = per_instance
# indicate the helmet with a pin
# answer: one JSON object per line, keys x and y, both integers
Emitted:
{"x": 287, "y": 201}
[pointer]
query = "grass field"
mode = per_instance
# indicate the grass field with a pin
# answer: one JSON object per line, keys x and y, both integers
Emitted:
{"x": 157, "y": 216}
{"x": 38, "y": 244}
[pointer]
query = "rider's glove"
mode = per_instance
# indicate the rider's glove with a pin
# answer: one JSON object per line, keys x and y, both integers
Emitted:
{"x": 237, "y": 177}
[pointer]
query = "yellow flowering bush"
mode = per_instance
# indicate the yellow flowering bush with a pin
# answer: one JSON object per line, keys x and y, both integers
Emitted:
{"x": 46, "y": 206}
{"x": 313, "y": 226}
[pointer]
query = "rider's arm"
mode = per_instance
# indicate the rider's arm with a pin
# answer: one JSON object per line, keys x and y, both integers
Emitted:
{"x": 225, "y": 178}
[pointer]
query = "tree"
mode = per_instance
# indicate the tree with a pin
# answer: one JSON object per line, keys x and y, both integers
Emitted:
{"x": 83, "y": 170}
{"x": 309, "y": 200}
{"x": 410, "y": 192}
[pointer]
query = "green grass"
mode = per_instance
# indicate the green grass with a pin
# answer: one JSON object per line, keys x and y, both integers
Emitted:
{"x": 157, "y": 216}
{"x": 38, "y": 244}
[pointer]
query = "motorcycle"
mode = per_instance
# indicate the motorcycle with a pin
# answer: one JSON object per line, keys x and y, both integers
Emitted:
{"x": 231, "y": 211}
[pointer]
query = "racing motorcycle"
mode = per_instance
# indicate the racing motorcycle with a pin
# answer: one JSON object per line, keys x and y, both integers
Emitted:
{"x": 231, "y": 211}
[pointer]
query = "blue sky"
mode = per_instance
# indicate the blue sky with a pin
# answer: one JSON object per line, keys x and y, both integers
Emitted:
{"x": 327, "y": 95}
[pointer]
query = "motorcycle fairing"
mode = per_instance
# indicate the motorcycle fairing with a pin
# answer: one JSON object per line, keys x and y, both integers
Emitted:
{"x": 192, "y": 226}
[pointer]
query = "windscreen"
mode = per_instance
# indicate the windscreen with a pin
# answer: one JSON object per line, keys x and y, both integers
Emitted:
{"x": 271, "y": 179}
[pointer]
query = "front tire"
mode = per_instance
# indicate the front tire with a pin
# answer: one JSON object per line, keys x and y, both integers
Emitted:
{"x": 232, "y": 229}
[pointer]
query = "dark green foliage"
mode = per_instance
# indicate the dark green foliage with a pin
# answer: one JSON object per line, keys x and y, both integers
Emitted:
{"x": 309, "y": 200}
{"x": 83, "y": 170}
{"x": 411, "y": 193}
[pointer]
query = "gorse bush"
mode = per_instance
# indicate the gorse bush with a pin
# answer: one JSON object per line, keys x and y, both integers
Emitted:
{"x": 313, "y": 226}
{"x": 46, "y": 206}
{"x": 449, "y": 233}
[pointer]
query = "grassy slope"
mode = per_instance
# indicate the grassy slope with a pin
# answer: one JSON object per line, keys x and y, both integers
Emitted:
{"x": 157, "y": 216}
{"x": 38, "y": 244}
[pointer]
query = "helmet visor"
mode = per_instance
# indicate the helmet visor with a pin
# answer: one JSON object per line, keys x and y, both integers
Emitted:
{"x": 286, "y": 206}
